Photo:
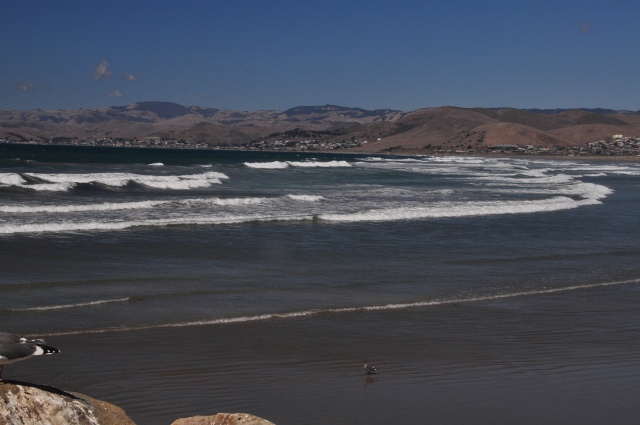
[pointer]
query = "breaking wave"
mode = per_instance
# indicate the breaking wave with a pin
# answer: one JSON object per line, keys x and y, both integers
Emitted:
{"x": 306, "y": 198}
{"x": 267, "y": 165}
{"x": 466, "y": 209}
{"x": 316, "y": 164}
{"x": 115, "y": 206}
{"x": 78, "y": 208}
{"x": 274, "y": 165}
{"x": 11, "y": 179}
{"x": 121, "y": 225}
{"x": 64, "y": 182}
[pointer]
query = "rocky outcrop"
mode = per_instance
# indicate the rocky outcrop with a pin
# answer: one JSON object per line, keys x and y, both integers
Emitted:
{"x": 22, "y": 403}
{"x": 223, "y": 419}
{"x": 28, "y": 404}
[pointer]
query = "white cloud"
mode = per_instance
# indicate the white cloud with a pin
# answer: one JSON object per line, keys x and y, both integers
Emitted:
{"x": 27, "y": 86}
{"x": 102, "y": 70}
{"x": 129, "y": 77}
{"x": 114, "y": 93}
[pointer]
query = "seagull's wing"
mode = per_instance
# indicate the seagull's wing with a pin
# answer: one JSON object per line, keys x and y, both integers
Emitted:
{"x": 14, "y": 347}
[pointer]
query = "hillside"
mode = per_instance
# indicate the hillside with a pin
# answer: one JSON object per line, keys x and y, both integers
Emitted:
{"x": 384, "y": 129}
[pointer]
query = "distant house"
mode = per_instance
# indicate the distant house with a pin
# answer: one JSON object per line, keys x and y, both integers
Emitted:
{"x": 504, "y": 146}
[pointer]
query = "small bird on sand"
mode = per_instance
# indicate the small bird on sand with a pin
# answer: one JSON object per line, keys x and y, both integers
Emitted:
{"x": 370, "y": 368}
{"x": 14, "y": 348}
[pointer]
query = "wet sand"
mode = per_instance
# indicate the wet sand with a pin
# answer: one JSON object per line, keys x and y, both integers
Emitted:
{"x": 567, "y": 357}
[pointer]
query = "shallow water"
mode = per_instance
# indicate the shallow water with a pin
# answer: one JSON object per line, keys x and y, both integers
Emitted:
{"x": 486, "y": 290}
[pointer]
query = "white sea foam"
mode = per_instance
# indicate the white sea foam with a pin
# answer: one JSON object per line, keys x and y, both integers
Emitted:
{"x": 225, "y": 201}
{"x": 317, "y": 164}
{"x": 628, "y": 173}
{"x": 65, "y": 306}
{"x": 115, "y": 206}
{"x": 466, "y": 209}
{"x": 442, "y": 210}
{"x": 11, "y": 179}
{"x": 107, "y": 206}
{"x": 121, "y": 225}
{"x": 157, "y": 164}
{"x": 343, "y": 310}
{"x": 64, "y": 181}
{"x": 514, "y": 179}
{"x": 50, "y": 187}
{"x": 306, "y": 198}
{"x": 274, "y": 165}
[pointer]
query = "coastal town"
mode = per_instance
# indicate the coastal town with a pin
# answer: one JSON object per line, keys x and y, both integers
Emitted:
{"x": 618, "y": 145}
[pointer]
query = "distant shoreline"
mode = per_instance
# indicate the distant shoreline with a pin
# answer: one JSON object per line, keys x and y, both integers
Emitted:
{"x": 408, "y": 152}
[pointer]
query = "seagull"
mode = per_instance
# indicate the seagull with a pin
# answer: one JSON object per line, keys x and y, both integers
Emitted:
{"x": 14, "y": 348}
{"x": 370, "y": 368}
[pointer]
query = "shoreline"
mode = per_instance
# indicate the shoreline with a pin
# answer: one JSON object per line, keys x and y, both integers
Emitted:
{"x": 616, "y": 158}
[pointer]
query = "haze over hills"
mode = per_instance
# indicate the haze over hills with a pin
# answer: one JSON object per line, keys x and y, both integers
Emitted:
{"x": 384, "y": 129}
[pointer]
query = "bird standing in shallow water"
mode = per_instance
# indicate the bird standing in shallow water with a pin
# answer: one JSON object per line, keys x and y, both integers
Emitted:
{"x": 14, "y": 348}
{"x": 370, "y": 368}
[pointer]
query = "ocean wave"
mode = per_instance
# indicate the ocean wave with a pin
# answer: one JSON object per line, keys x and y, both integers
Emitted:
{"x": 66, "y": 306}
{"x": 316, "y": 164}
{"x": 568, "y": 196}
{"x": 9, "y": 229}
{"x": 306, "y": 198}
{"x": 343, "y": 310}
{"x": 64, "y": 181}
{"x": 276, "y": 165}
{"x": 157, "y": 164}
{"x": 604, "y": 168}
{"x": 225, "y": 201}
{"x": 466, "y": 209}
{"x": 107, "y": 206}
{"x": 11, "y": 179}
{"x": 115, "y": 206}
{"x": 49, "y": 187}
{"x": 440, "y": 210}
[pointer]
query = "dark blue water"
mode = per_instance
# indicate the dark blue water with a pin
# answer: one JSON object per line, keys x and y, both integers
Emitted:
{"x": 487, "y": 290}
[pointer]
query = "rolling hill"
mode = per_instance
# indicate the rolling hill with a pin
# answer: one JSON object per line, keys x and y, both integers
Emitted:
{"x": 384, "y": 129}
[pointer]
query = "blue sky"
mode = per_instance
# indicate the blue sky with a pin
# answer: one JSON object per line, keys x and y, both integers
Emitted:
{"x": 250, "y": 55}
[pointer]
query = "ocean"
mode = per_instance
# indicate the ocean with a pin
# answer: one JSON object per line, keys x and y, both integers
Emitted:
{"x": 180, "y": 283}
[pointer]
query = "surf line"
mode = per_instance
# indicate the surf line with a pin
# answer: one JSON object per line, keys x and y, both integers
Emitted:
{"x": 62, "y": 306}
{"x": 305, "y": 313}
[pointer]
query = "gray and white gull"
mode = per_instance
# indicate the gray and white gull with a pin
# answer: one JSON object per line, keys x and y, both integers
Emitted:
{"x": 14, "y": 348}
{"x": 370, "y": 368}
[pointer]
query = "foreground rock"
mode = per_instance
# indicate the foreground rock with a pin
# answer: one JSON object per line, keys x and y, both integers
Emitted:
{"x": 223, "y": 419}
{"x": 28, "y": 404}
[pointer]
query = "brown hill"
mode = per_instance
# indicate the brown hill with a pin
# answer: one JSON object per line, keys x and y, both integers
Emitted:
{"x": 581, "y": 134}
{"x": 469, "y": 128}
{"x": 383, "y": 129}
{"x": 212, "y": 134}
{"x": 443, "y": 126}
{"x": 173, "y": 120}
{"x": 505, "y": 133}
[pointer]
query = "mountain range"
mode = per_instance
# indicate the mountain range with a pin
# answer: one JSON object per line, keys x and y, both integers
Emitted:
{"x": 384, "y": 129}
